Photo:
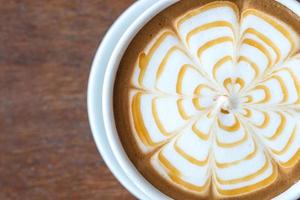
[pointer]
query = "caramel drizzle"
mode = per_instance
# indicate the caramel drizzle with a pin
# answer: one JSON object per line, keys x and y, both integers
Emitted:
{"x": 248, "y": 112}
{"x": 197, "y": 92}
{"x": 295, "y": 81}
{"x": 249, "y": 188}
{"x": 219, "y": 63}
{"x": 283, "y": 87}
{"x": 181, "y": 75}
{"x": 281, "y": 29}
{"x": 295, "y": 158}
{"x": 181, "y": 109}
{"x": 144, "y": 58}
{"x": 229, "y": 81}
{"x": 231, "y": 128}
{"x": 266, "y": 98}
{"x": 279, "y": 129}
{"x": 240, "y": 82}
{"x": 266, "y": 40}
{"x": 266, "y": 121}
{"x": 249, "y": 99}
{"x": 212, "y": 43}
{"x": 245, "y": 178}
{"x": 260, "y": 47}
{"x": 251, "y": 63}
{"x": 180, "y": 79}
{"x": 168, "y": 165}
{"x": 207, "y": 26}
{"x": 190, "y": 158}
{"x": 226, "y": 83}
{"x": 273, "y": 23}
{"x": 138, "y": 121}
{"x": 207, "y": 7}
{"x": 232, "y": 144}
{"x": 287, "y": 145}
{"x": 250, "y": 156}
{"x": 175, "y": 175}
{"x": 157, "y": 120}
{"x": 199, "y": 133}
{"x": 198, "y": 106}
{"x": 166, "y": 58}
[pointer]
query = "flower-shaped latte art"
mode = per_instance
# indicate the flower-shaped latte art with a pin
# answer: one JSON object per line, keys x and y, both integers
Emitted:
{"x": 216, "y": 100}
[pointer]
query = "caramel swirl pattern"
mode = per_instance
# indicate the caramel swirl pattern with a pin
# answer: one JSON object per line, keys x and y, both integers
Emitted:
{"x": 217, "y": 100}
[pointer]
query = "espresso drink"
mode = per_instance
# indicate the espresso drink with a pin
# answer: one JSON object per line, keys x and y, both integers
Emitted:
{"x": 207, "y": 100}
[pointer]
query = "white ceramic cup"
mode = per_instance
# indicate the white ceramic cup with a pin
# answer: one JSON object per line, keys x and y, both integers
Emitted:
{"x": 134, "y": 181}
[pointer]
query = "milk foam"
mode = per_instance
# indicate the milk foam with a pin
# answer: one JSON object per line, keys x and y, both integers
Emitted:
{"x": 249, "y": 59}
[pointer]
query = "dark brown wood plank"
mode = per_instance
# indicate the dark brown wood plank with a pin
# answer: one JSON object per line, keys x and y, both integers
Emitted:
{"x": 46, "y": 148}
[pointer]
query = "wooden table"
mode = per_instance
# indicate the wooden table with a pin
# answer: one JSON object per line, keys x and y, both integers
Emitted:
{"x": 46, "y": 146}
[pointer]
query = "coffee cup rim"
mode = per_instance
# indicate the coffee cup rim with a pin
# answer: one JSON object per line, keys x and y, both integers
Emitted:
{"x": 95, "y": 86}
{"x": 107, "y": 107}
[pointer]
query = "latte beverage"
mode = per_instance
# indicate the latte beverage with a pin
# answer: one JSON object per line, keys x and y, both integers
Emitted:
{"x": 207, "y": 100}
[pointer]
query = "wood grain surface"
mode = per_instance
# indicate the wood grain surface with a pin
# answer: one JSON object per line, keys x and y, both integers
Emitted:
{"x": 46, "y": 146}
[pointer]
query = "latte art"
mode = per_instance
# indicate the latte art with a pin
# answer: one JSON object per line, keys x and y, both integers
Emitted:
{"x": 215, "y": 99}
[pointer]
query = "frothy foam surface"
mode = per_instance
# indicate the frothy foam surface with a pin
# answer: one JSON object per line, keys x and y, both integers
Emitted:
{"x": 214, "y": 100}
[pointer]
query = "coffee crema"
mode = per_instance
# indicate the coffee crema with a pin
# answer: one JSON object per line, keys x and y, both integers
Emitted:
{"x": 210, "y": 100}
